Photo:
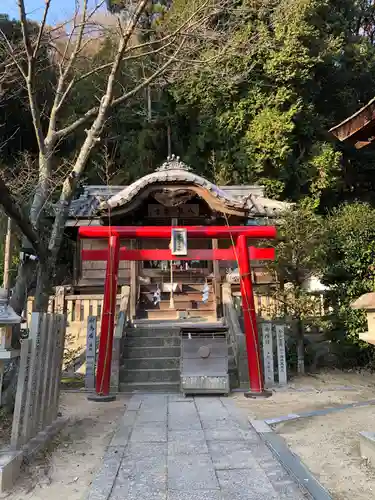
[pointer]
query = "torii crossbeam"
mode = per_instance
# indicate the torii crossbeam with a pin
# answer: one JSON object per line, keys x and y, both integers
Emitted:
{"x": 239, "y": 252}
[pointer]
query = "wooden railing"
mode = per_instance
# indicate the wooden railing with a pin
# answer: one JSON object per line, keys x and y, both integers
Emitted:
{"x": 78, "y": 307}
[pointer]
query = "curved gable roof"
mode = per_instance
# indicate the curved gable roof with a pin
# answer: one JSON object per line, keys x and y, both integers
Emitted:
{"x": 174, "y": 173}
{"x": 173, "y": 176}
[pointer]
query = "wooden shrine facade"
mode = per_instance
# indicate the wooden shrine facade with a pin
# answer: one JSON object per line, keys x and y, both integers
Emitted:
{"x": 171, "y": 196}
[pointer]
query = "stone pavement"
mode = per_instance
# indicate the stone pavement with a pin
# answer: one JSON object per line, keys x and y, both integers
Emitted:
{"x": 167, "y": 447}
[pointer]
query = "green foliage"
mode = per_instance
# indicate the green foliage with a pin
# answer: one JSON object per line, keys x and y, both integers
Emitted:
{"x": 287, "y": 75}
{"x": 349, "y": 266}
{"x": 299, "y": 247}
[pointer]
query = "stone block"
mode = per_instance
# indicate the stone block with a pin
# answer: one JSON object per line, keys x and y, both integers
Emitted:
{"x": 152, "y": 432}
{"x": 220, "y": 423}
{"x": 10, "y": 464}
{"x": 130, "y": 491}
{"x": 149, "y": 473}
{"x": 40, "y": 441}
{"x": 195, "y": 495}
{"x": 246, "y": 484}
{"x": 157, "y": 415}
{"x": 232, "y": 454}
{"x": 223, "y": 434}
{"x": 149, "y": 375}
{"x": 144, "y": 450}
{"x": 183, "y": 416}
{"x": 134, "y": 404}
{"x": 183, "y": 435}
{"x": 367, "y": 446}
{"x": 191, "y": 473}
{"x": 121, "y": 436}
{"x": 103, "y": 483}
{"x": 187, "y": 447}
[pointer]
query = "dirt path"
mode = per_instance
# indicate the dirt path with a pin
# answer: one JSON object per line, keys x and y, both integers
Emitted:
{"x": 66, "y": 470}
{"x": 328, "y": 445}
{"x": 324, "y": 390}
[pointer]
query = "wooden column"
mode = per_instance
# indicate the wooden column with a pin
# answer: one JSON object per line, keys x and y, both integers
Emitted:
{"x": 217, "y": 280}
{"x": 134, "y": 271}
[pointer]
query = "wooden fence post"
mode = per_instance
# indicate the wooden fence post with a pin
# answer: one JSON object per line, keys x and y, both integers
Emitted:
{"x": 29, "y": 424}
{"x": 38, "y": 385}
{"x": 47, "y": 368}
{"x": 40, "y": 400}
{"x": 58, "y": 364}
{"x": 17, "y": 438}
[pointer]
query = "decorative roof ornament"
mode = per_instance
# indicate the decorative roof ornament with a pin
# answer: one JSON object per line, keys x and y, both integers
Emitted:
{"x": 173, "y": 163}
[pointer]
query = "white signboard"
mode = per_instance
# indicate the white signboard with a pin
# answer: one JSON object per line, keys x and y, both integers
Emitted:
{"x": 179, "y": 242}
{"x": 188, "y": 210}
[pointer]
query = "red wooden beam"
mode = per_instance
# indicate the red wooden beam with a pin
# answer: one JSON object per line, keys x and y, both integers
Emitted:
{"x": 254, "y": 232}
{"x": 216, "y": 254}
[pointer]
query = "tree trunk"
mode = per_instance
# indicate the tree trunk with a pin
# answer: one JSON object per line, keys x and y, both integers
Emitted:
{"x": 300, "y": 348}
{"x": 25, "y": 278}
{"x": 43, "y": 285}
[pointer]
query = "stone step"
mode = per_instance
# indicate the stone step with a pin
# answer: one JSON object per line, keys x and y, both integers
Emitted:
{"x": 177, "y": 324}
{"x": 152, "y": 332}
{"x": 151, "y": 342}
{"x": 143, "y": 376}
{"x": 151, "y": 363}
{"x": 150, "y": 352}
{"x": 150, "y": 387}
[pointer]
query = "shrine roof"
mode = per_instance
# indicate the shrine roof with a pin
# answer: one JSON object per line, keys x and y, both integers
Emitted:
{"x": 175, "y": 179}
{"x": 359, "y": 128}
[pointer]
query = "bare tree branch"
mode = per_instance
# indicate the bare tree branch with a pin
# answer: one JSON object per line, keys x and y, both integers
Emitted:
{"x": 41, "y": 28}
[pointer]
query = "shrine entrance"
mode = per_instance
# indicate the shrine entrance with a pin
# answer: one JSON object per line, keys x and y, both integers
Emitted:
{"x": 178, "y": 249}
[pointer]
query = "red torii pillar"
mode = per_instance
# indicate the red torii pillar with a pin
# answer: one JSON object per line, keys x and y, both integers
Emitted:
{"x": 239, "y": 233}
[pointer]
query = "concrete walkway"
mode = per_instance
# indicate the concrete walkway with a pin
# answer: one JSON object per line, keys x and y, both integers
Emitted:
{"x": 172, "y": 448}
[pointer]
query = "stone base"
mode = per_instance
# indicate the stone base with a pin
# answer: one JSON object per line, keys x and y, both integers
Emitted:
{"x": 255, "y": 395}
{"x": 10, "y": 464}
{"x": 101, "y": 398}
{"x": 11, "y": 460}
{"x": 367, "y": 446}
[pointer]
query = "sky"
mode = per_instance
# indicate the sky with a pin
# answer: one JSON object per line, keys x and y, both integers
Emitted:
{"x": 60, "y": 9}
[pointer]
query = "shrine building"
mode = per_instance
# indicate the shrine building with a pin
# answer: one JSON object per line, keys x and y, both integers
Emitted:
{"x": 156, "y": 295}
{"x": 173, "y": 195}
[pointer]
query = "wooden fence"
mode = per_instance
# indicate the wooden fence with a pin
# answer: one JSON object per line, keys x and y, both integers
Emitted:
{"x": 78, "y": 307}
{"x": 38, "y": 387}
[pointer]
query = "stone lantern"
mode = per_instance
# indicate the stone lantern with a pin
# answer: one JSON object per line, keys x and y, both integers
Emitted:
{"x": 8, "y": 318}
{"x": 367, "y": 303}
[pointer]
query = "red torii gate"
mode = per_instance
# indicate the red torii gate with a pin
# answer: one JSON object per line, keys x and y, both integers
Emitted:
{"x": 240, "y": 252}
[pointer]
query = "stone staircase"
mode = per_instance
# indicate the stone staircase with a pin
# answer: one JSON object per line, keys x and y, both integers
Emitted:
{"x": 151, "y": 357}
{"x": 187, "y": 301}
